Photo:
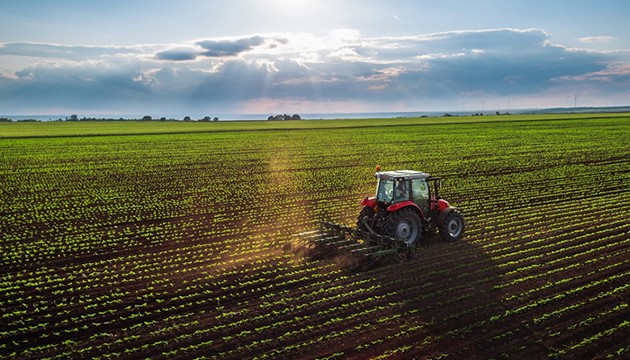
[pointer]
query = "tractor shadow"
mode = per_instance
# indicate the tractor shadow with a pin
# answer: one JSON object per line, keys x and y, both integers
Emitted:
{"x": 451, "y": 290}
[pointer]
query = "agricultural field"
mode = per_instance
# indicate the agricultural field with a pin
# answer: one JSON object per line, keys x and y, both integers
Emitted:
{"x": 144, "y": 240}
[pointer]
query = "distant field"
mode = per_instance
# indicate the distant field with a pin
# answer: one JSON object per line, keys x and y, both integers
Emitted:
{"x": 36, "y": 129}
{"x": 166, "y": 240}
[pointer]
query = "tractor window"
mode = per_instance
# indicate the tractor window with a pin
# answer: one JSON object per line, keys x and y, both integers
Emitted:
{"x": 401, "y": 190}
{"x": 385, "y": 191}
{"x": 420, "y": 192}
{"x": 420, "y": 189}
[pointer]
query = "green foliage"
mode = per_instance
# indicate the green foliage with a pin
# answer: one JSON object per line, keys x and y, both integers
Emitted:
{"x": 169, "y": 239}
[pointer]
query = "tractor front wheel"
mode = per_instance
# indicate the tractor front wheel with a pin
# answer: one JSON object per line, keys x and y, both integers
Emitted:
{"x": 452, "y": 228}
{"x": 404, "y": 225}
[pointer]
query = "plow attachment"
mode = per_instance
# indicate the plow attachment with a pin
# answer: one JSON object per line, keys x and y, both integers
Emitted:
{"x": 361, "y": 249}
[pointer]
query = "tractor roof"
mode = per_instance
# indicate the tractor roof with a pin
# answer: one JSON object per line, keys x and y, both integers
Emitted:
{"x": 402, "y": 174}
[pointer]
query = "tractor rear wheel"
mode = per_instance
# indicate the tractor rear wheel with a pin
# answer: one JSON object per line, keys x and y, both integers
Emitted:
{"x": 368, "y": 212}
{"x": 404, "y": 225}
{"x": 452, "y": 228}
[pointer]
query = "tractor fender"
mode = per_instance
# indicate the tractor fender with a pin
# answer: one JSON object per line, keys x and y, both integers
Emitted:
{"x": 439, "y": 205}
{"x": 400, "y": 205}
{"x": 443, "y": 214}
{"x": 369, "y": 201}
{"x": 443, "y": 204}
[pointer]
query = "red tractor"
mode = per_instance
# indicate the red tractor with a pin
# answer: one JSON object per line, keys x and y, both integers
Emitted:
{"x": 406, "y": 206}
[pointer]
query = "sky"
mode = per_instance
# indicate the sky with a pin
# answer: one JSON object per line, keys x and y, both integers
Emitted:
{"x": 172, "y": 58}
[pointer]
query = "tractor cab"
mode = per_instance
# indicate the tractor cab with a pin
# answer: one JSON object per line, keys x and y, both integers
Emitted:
{"x": 402, "y": 186}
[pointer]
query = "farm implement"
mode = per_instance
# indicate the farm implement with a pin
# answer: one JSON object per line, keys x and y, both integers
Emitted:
{"x": 407, "y": 205}
{"x": 363, "y": 247}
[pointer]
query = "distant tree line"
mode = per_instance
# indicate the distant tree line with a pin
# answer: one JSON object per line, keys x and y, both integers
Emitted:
{"x": 284, "y": 117}
{"x": 207, "y": 119}
{"x": 186, "y": 118}
{"x": 22, "y": 120}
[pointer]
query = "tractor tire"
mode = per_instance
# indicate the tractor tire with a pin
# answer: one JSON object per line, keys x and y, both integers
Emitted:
{"x": 404, "y": 225}
{"x": 366, "y": 211}
{"x": 452, "y": 228}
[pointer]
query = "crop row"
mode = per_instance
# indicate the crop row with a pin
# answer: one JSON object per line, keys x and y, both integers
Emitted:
{"x": 170, "y": 245}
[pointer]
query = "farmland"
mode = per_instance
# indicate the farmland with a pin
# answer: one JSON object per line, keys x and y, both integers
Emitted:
{"x": 144, "y": 240}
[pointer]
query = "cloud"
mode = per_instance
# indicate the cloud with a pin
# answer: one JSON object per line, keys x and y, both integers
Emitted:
{"x": 406, "y": 72}
{"x": 222, "y": 48}
{"x": 217, "y": 48}
{"x": 178, "y": 54}
{"x": 68, "y": 52}
{"x": 597, "y": 39}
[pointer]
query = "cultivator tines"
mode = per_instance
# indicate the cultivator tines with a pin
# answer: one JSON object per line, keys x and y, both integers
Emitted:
{"x": 365, "y": 248}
